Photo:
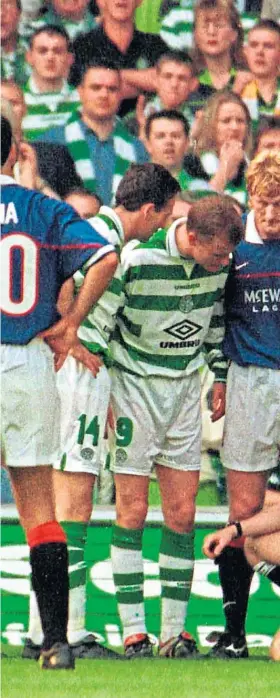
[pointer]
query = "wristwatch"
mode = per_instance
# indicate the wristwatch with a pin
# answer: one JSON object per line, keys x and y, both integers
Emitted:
{"x": 237, "y": 524}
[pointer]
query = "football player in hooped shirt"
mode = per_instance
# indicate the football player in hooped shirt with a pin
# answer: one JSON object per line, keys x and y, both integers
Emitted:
{"x": 43, "y": 243}
{"x": 252, "y": 421}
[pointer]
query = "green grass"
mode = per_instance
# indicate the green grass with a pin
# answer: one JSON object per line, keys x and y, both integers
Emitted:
{"x": 156, "y": 678}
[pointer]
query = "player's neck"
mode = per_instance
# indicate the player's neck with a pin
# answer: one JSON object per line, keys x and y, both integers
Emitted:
{"x": 45, "y": 85}
{"x": 128, "y": 221}
{"x": 120, "y": 33}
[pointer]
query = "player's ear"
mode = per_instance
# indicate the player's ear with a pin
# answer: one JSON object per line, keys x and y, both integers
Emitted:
{"x": 192, "y": 237}
{"x": 148, "y": 211}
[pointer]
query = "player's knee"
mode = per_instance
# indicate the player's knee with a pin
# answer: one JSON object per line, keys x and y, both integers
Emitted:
{"x": 79, "y": 510}
{"x": 243, "y": 506}
{"x": 131, "y": 514}
{"x": 180, "y": 517}
{"x": 250, "y": 550}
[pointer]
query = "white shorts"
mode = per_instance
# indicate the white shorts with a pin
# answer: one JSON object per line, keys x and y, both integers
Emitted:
{"x": 157, "y": 421}
{"x": 84, "y": 406}
{"x": 251, "y": 440}
{"x": 29, "y": 405}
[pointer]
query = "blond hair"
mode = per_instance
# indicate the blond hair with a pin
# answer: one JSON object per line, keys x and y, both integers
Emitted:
{"x": 206, "y": 135}
{"x": 263, "y": 175}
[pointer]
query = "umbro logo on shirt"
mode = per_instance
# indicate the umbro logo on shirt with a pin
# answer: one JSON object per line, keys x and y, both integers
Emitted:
{"x": 183, "y": 329}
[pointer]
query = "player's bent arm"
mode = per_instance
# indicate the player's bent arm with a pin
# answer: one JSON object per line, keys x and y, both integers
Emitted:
{"x": 62, "y": 336}
{"x": 66, "y": 296}
{"x": 97, "y": 279}
{"x": 263, "y": 523}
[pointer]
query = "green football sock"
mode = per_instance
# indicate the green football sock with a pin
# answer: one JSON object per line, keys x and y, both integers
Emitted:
{"x": 176, "y": 564}
{"x": 76, "y": 532}
{"x": 128, "y": 573}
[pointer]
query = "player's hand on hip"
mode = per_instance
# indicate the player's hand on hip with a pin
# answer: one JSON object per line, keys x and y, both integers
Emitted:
{"x": 62, "y": 336}
{"x": 91, "y": 361}
{"x": 218, "y": 401}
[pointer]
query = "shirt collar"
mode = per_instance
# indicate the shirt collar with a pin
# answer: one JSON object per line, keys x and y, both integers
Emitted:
{"x": 63, "y": 91}
{"x": 107, "y": 211}
{"x": 171, "y": 244}
{"x": 251, "y": 233}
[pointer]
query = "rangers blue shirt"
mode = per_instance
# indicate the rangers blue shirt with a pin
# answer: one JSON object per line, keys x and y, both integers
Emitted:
{"x": 43, "y": 242}
{"x": 253, "y": 302}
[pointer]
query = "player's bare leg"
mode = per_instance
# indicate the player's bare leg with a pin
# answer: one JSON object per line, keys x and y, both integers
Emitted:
{"x": 176, "y": 559}
{"x": 127, "y": 561}
{"x": 73, "y": 495}
{"x": 33, "y": 492}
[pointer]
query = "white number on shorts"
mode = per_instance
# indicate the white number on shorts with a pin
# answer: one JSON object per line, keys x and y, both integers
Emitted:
{"x": 27, "y": 279}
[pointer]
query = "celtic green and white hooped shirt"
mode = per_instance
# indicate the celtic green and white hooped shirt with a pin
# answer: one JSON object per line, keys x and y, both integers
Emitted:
{"x": 95, "y": 330}
{"x": 173, "y": 312}
{"x": 45, "y": 110}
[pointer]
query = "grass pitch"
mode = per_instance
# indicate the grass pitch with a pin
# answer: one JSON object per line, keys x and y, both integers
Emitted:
{"x": 155, "y": 678}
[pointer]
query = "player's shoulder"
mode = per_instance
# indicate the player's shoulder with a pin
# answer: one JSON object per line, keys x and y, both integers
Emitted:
{"x": 152, "y": 251}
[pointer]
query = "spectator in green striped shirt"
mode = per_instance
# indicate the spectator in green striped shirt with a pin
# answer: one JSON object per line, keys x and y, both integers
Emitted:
{"x": 13, "y": 63}
{"x": 49, "y": 100}
{"x": 72, "y": 15}
{"x": 262, "y": 93}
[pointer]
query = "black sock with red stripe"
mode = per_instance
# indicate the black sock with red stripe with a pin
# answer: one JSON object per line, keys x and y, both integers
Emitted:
{"x": 49, "y": 575}
{"x": 235, "y": 577}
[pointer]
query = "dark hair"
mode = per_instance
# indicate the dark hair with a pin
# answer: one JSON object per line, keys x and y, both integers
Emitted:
{"x": 268, "y": 24}
{"x": 181, "y": 57}
{"x": 98, "y": 63}
{"x": 171, "y": 115}
{"x": 144, "y": 184}
{"x": 215, "y": 215}
{"x": 6, "y": 139}
{"x": 51, "y": 30}
{"x": 267, "y": 123}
